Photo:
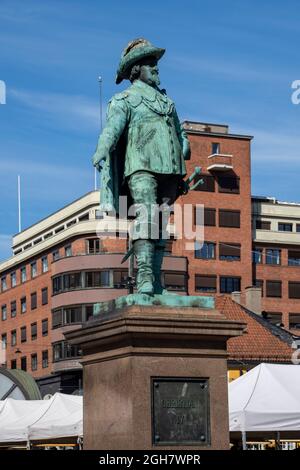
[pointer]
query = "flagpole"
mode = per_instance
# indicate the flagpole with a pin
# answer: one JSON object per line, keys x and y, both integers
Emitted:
{"x": 19, "y": 202}
{"x": 101, "y": 126}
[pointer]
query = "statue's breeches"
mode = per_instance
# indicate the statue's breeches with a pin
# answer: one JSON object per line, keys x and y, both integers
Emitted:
{"x": 149, "y": 191}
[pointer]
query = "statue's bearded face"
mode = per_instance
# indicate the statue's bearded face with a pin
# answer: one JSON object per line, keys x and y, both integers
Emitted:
{"x": 149, "y": 72}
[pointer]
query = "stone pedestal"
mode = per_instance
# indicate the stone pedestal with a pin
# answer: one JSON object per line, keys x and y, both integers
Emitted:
{"x": 155, "y": 377}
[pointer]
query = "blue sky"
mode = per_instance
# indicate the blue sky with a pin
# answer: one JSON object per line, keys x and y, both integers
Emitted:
{"x": 229, "y": 62}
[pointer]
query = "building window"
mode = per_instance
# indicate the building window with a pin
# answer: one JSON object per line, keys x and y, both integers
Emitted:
{"x": 297, "y": 227}
{"x": 13, "y": 279}
{"x": 63, "y": 350}
{"x": 45, "y": 296}
{"x": 33, "y": 331}
{"x": 229, "y": 218}
{"x": 23, "y": 334}
{"x": 33, "y": 301}
{"x": 273, "y": 288}
{"x": 3, "y": 313}
{"x": 23, "y": 305}
{"x": 13, "y": 309}
{"x": 259, "y": 283}
{"x": 294, "y": 321}
{"x": 209, "y": 217}
{"x": 174, "y": 281}
{"x": 120, "y": 279}
{"x": 72, "y": 315}
{"x": 273, "y": 256}
{"x": 72, "y": 281}
{"x": 263, "y": 225}
{"x": 24, "y": 363}
{"x": 84, "y": 217}
{"x": 33, "y": 266}
{"x": 13, "y": 336}
{"x": 57, "y": 319}
{"x": 284, "y": 227}
{"x": 45, "y": 327}
{"x": 45, "y": 266}
{"x": 57, "y": 284}
{"x": 97, "y": 279}
{"x": 206, "y": 251}
{"x": 215, "y": 148}
{"x": 68, "y": 250}
{"x": 229, "y": 184}
{"x": 93, "y": 246}
{"x": 33, "y": 361}
{"x": 23, "y": 274}
{"x": 55, "y": 255}
{"x": 45, "y": 360}
{"x": 205, "y": 283}
{"x": 3, "y": 283}
{"x": 4, "y": 341}
{"x": 294, "y": 290}
{"x": 230, "y": 252}
{"x": 89, "y": 312}
{"x": 59, "y": 229}
{"x": 230, "y": 284}
{"x": 257, "y": 256}
{"x": 13, "y": 364}
{"x": 275, "y": 318}
{"x": 293, "y": 258}
{"x": 207, "y": 185}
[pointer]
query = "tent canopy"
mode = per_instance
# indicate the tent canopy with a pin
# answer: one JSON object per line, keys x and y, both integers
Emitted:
{"x": 267, "y": 398}
{"x": 23, "y": 420}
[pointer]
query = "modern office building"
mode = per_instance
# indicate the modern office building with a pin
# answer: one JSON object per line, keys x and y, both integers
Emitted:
{"x": 276, "y": 259}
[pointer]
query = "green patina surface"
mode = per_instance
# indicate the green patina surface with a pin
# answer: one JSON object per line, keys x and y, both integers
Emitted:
{"x": 168, "y": 300}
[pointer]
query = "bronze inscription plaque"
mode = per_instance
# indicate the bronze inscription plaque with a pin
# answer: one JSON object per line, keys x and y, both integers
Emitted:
{"x": 180, "y": 411}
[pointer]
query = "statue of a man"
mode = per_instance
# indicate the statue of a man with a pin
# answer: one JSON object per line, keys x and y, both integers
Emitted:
{"x": 143, "y": 148}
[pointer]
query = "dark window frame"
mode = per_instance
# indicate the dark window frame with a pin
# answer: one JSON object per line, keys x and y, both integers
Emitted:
{"x": 205, "y": 288}
{"x": 33, "y": 331}
{"x": 230, "y": 189}
{"x": 226, "y": 280}
{"x": 270, "y": 258}
{"x": 229, "y": 251}
{"x": 23, "y": 331}
{"x": 205, "y": 250}
{"x": 33, "y": 300}
{"x": 271, "y": 288}
{"x": 228, "y": 223}
{"x": 262, "y": 224}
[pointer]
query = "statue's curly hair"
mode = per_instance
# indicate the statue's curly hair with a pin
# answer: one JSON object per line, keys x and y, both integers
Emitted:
{"x": 135, "y": 72}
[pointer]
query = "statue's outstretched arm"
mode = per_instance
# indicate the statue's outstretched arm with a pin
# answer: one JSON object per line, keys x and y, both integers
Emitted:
{"x": 117, "y": 116}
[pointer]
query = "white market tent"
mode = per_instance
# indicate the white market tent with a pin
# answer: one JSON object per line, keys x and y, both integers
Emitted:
{"x": 267, "y": 398}
{"x": 26, "y": 420}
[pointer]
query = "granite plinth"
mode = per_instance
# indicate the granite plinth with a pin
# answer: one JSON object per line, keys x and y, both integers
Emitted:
{"x": 125, "y": 350}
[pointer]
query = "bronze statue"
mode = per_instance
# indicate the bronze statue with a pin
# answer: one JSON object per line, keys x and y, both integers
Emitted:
{"x": 142, "y": 149}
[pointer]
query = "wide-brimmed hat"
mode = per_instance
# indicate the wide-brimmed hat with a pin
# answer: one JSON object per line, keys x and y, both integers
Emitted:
{"x": 135, "y": 51}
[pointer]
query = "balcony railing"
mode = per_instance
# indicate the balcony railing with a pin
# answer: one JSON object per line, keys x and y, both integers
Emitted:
{"x": 220, "y": 162}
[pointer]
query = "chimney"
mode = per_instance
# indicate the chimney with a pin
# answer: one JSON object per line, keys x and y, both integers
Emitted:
{"x": 236, "y": 297}
{"x": 253, "y": 299}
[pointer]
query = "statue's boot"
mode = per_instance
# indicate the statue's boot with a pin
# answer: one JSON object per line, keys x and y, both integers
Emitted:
{"x": 144, "y": 251}
{"x": 159, "y": 250}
